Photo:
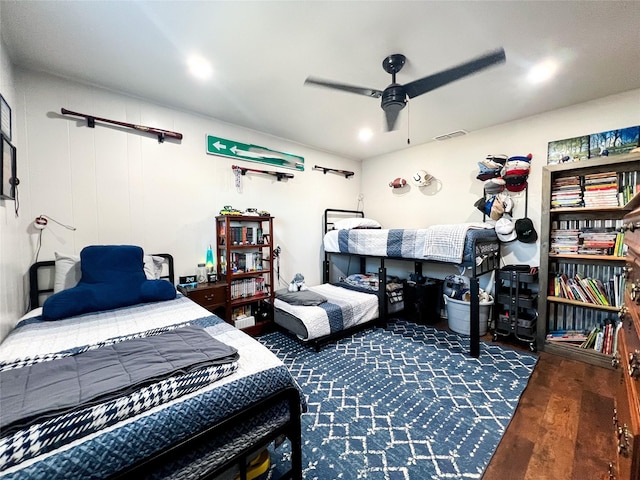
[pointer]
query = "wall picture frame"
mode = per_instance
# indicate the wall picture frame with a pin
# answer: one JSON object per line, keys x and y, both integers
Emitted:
{"x": 8, "y": 167}
{"x": 568, "y": 150}
{"x": 5, "y": 118}
{"x": 614, "y": 142}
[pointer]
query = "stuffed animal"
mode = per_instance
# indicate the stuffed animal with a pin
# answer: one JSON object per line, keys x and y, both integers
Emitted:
{"x": 297, "y": 284}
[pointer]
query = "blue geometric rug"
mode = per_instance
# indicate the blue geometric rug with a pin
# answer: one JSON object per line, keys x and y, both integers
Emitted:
{"x": 403, "y": 402}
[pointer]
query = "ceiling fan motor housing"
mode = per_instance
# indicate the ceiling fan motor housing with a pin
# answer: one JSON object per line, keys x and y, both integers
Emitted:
{"x": 394, "y": 96}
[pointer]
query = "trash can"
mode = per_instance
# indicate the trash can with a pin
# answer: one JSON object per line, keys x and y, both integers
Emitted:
{"x": 459, "y": 315}
{"x": 422, "y": 301}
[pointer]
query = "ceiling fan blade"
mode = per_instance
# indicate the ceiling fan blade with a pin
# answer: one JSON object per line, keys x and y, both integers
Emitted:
{"x": 426, "y": 84}
{"x": 391, "y": 114}
{"x": 367, "y": 92}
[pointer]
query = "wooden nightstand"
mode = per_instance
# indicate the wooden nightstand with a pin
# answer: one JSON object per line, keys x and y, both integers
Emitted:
{"x": 212, "y": 296}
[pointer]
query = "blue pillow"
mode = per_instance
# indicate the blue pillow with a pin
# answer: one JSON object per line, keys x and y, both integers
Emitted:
{"x": 112, "y": 264}
{"x": 112, "y": 277}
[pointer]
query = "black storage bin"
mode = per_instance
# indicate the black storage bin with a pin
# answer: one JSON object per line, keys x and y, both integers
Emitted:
{"x": 423, "y": 301}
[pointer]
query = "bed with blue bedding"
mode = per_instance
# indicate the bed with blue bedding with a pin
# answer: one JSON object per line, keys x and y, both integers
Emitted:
{"x": 93, "y": 396}
{"x": 454, "y": 244}
{"x": 337, "y": 310}
{"x": 472, "y": 247}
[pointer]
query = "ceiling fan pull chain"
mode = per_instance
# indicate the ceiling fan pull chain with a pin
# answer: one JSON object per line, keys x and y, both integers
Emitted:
{"x": 408, "y": 126}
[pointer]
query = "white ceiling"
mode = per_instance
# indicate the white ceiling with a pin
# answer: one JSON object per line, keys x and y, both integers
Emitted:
{"x": 262, "y": 52}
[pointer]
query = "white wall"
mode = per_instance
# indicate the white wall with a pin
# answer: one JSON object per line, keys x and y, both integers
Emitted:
{"x": 14, "y": 252}
{"x": 118, "y": 186}
{"x": 454, "y": 165}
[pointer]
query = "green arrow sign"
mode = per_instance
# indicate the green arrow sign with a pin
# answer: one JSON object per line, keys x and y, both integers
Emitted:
{"x": 253, "y": 153}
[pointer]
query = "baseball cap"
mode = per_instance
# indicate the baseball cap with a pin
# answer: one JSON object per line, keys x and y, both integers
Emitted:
{"x": 521, "y": 158}
{"x": 480, "y": 203}
{"x": 525, "y": 231}
{"x": 485, "y": 168}
{"x": 497, "y": 209}
{"x": 488, "y": 175}
{"x": 498, "y": 158}
{"x": 505, "y": 230}
{"x": 516, "y": 187}
{"x": 516, "y": 169}
{"x": 514, "y": 179}
{"x": 491, "y": 164}
{"x": 493, "y": 188}
{"x": 507, "y": 202}
{"x": 488, "y": 205}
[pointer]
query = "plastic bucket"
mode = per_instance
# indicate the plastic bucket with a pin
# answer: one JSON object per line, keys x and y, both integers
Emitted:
{"x": 459, "y": 315}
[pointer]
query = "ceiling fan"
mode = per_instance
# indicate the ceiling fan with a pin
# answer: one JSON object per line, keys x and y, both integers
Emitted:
{"x": 394, "y": 97}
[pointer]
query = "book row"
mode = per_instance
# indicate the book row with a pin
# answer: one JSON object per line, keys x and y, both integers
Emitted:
{"x": 601, "y": 338}
{"x": 609, "y": 189}
{"x": 589, "y": 290}
{"x": 242, "y": 235}
{"x": 587, "y": 241}
{"x": 248, "y": 287}
{"x": 243, "y": 262}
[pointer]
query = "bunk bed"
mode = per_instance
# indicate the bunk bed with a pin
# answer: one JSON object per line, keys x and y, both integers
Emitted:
{"x": 206, "y": 422}
{"x": 476, "y": 251}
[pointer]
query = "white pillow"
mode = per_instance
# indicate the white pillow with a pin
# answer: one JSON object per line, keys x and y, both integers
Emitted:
{"x": 67, "y": 271}
{"x": 349, "y": 223}
{"x": 153, "y": 266}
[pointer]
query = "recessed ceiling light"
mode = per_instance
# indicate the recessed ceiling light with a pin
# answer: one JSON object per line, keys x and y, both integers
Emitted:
{"x": 543, "y": 71}
{"x": 365, "y": 134}
{"x": 199, "y": 67}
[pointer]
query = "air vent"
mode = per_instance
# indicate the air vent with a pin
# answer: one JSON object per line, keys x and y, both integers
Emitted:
{"x": 447, "y": 136}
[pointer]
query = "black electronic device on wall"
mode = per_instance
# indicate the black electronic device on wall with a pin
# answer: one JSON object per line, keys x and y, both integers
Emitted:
{"x": 8, "y": 166}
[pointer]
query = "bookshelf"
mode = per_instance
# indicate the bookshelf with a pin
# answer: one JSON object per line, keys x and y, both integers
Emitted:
{"x": 582, "y": 252}
{"x": 244, "y": 246}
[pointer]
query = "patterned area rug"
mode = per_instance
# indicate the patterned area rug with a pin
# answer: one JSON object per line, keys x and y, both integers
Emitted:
{"x": 404, "y": 402}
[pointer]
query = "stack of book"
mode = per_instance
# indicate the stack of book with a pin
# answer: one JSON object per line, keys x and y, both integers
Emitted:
{"x": 564, "y": 241}
{"x": 566, "y": 192}
{"x": 601, "y": 190}
{"x": 597, "y": 241}
{"x": 575, "y": 337}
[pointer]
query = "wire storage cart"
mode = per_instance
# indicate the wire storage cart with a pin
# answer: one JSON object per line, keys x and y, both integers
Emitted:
{"x": 516, "y": 303}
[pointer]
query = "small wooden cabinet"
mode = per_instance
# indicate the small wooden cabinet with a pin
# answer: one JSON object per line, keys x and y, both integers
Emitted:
{"x": 212, "y": 296}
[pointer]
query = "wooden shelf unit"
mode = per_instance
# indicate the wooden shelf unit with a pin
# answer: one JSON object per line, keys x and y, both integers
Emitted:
{"x": 550, "y": 307}
{"x": 244, "y": 246}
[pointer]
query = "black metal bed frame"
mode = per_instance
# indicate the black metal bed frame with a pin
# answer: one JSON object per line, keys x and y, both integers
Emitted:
{"x": 482, "y": 248}
{"x": 291, "y": 429}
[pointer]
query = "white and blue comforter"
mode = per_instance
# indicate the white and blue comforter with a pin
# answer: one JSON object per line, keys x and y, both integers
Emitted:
{"x": 343, "y": 309}
{"x": 443, "y": 243}
{"x": 107, "y": 438}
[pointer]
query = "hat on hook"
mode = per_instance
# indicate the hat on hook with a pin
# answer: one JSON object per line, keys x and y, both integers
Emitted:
{"x": 505, "y": 230}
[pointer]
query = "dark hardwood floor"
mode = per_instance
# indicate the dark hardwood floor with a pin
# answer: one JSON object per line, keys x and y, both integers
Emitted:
{"x": 563, "y": 426}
